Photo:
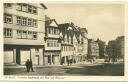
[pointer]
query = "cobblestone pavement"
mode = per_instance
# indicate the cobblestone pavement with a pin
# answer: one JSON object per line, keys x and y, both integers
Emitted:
{"x": 74, "y": 70}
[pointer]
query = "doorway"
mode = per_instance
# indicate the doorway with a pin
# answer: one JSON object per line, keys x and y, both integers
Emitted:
{"x": 18, "y": 55}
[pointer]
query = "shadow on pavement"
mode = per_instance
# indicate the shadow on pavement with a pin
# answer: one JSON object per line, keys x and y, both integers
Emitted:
{"x": 105, "y": 70}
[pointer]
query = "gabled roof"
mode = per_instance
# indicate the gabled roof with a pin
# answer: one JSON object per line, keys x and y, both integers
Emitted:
{"x": 53, "y": 23}
{"x": 65, "y": 31}
{"x": 50, "y": 22}
{"x": 43, "y": 5}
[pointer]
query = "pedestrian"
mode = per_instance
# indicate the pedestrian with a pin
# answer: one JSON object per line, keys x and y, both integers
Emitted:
{"x": 68, "y": 62}
{"x": 27, "y": 65}
{"x": 31, "y": 65}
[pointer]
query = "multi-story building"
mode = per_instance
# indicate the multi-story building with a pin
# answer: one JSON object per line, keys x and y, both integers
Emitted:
{"x": 83, "y": 43}
{"x": 80, "y": 43}
{"x": 52, "y": 42}
{"x": 24, "y": 29}
{"x": 74, "y": 44}
{"x": 93, "y": 49}
{"x": 67, "y": 48}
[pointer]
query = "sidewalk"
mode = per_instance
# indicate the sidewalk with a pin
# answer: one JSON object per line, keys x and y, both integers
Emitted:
{"x": 35, "y": 66}
{"x": 23, "y": 66}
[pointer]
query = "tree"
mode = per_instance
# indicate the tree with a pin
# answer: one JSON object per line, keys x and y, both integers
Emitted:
{"x": 120, "y": 44}
{"x": 101, "y": 48}
{"x": 113, "y": 50}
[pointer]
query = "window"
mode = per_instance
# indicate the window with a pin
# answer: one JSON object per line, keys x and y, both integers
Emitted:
{"x": 57, "y": 44}
{"x": 7, "y": 18}
{"x": 19, "y": 34}
{"x": 29, "y": 35}
{"x": 34, "y": 35}
{"x": 24, "y": 34}
{"x": 54, "y": 44}
{"x": 35, "y": 23}
{"x": 7, "y": 5}
{"x": 29, "y": 22}
{"x": 51, "y": 43}
{"x": 19, "y": 21}
{"x": 49, "y": 30}
{"x": 52, "y": 31}
{"x": 19, "y": 6}
{"x": 48, "y": 44}
{"x": 34, "y": 10}
{"x": 24, "y": 21}
{"x": 7, "y": 33}
{"x": 29, "y": 8}
{"x": 55, "y": 31}
{"x": 24, "y": 7}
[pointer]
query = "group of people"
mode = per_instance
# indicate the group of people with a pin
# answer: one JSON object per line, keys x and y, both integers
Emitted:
{"x": 68, "y": 61}
{"x": 29, "y": 65}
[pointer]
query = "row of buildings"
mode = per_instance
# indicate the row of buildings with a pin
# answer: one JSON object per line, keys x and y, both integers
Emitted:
{"x": 29, "y": 34}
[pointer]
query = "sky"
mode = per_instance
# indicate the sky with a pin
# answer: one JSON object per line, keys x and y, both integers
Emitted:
{"x": 103, "y": 21}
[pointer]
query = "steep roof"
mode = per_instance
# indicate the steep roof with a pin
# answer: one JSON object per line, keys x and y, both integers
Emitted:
{"x": 50, "y": 22}
{"x": 43, "y": 5}
{"x": 64, "y": 29}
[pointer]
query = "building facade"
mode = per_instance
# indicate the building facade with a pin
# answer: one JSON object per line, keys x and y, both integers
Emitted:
{"x": 74, "y": 43}
{"x": 24, "y": 29}
{"x": 83, "y": 44}
{"x": 80, "y": 43}
{"x": 93, "y": 49}
{"x": 52, "y": 42}
{"x": 67, "y": 48}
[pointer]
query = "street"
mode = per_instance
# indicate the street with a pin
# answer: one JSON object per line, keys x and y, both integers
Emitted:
{"x": 74, "y": 70}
